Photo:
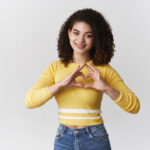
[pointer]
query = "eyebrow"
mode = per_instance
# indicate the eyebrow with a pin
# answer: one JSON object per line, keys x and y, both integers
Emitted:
{"x": 85, "y": 32}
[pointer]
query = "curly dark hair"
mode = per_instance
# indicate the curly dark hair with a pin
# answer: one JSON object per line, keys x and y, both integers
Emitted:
{"x": 103, "y": 49}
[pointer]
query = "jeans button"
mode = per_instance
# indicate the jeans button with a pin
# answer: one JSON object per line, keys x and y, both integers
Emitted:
{"x": 76, "y": 131}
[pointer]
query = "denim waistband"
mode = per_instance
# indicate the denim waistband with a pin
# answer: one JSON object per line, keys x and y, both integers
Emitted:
{"x": 62, "y": 127}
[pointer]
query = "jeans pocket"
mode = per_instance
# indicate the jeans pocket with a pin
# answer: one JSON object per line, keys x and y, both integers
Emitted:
{"x": 97, "y": 132}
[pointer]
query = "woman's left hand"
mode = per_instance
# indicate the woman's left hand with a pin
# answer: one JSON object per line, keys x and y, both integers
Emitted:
{"x": 98, "y": 83}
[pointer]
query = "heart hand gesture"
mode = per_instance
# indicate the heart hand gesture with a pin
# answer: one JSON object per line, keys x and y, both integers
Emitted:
{"x": 98, "y": 83}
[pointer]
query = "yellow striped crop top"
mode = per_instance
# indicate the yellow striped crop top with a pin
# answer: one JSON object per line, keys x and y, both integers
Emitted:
{"x": 79, "y": 106}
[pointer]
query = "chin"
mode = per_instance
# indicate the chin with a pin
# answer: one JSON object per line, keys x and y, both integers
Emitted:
{"x": 80, "y": 51}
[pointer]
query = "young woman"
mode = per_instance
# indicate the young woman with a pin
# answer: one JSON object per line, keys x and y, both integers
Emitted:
{"x": 79, "y": 79}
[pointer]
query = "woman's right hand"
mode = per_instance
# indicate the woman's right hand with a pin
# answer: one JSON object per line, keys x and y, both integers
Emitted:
{"x": 69, "y": 81}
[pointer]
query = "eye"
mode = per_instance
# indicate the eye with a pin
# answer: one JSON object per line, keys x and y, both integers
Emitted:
{"x": 90, "y": 36}
{"x": 75, "y": 33}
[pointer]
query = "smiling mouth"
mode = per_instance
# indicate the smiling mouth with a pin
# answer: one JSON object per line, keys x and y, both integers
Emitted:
{"x": 81, "y": 46}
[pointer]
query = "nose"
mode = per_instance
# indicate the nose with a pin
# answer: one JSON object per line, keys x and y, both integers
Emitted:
{"x": 81, "y": 39}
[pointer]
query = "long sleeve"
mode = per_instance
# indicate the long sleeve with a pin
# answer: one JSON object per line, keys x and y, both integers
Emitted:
{"x": 127, "y": 100}
{"x": 39, "y": 93}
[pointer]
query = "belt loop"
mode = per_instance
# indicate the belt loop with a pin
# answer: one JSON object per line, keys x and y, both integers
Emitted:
{"x": 87, "y": 129}
{"x": 63, "y": 128}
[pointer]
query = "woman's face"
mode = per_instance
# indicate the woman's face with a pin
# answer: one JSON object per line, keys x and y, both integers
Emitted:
{"x": 81, "y": 37}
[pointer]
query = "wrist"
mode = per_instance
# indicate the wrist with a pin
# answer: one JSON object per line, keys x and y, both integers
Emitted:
{"x": 105, "y": 88}
{"x": 60, "y": 85}
{"x": 55, "y": 88}
{"x": 111, "y": 92}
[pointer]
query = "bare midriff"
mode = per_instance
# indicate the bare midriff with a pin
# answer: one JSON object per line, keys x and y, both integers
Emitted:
{"x": 75, "y": 126}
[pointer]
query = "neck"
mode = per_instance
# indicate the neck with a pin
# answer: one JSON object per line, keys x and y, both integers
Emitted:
{"x": 81, "y": 59}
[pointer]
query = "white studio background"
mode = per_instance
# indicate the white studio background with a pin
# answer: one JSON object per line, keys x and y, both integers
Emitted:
{"x": 28, "y": 40}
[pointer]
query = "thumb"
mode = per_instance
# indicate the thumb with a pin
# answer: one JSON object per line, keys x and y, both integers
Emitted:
{"x": 78, "y": 85}
{"x": 88, "y": 86}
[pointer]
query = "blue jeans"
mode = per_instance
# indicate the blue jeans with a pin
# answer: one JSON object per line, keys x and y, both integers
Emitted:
{"x": 94, "y": 137}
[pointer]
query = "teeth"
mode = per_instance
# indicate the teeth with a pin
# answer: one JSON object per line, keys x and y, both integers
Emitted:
{"x": 80, "y": 45}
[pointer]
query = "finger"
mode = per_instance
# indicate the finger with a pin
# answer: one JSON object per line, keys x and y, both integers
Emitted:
{"x": 80, "y": 74}
{"x": 88, "y": 75}
{"x": 75, "y": 70}
{"x": 78, "y": 69}
{"x": 81, "y": 67}
{"x": 89, "y": 68}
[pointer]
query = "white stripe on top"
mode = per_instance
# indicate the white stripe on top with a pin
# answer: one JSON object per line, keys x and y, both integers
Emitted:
{"x": 86, "y": 111}
{"x": 79, "y": 117}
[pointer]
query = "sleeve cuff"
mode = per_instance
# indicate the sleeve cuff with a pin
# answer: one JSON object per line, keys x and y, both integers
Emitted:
{"x": 118, "y": 98}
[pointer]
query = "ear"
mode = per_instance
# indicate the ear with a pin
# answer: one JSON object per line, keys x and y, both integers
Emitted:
{"x": 69, "y": 32}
